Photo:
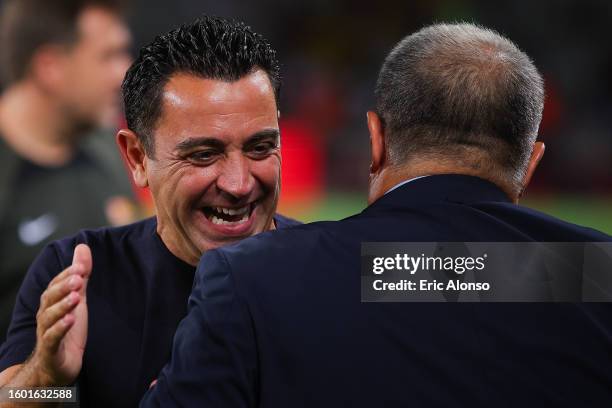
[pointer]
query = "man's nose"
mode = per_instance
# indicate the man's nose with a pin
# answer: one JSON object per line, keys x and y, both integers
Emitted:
{"x": 236, "y": 178}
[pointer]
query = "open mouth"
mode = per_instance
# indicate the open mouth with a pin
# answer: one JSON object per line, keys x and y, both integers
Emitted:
{"x": 229, "y": 216}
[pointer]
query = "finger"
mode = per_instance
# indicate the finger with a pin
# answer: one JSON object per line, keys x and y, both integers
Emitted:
{"x": 54, "y": 293}
{"x": 82, "y": 257}
{"x": 54, "y": 335}
{"x": 57, "y": 311}
{"x": 70, "y": 270}
{"x": 83, "y": 290}
{"x": 81, "y": 264}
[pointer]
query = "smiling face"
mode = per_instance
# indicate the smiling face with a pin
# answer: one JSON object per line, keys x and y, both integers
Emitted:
{"x": 215, "y": 175}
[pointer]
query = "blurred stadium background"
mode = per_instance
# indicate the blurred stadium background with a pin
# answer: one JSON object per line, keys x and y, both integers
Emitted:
{"x": 330, "y": 52}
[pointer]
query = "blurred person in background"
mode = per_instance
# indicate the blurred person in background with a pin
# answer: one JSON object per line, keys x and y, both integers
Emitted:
{"x": 100, "y": 308}
{"x": 62, "y": 62}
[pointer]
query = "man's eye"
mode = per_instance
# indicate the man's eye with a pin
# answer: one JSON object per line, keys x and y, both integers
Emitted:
{"x": 263, "y": 148}
{"x": 202, "y": 156}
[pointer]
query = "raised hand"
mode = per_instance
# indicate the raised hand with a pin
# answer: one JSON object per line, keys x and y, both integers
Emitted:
{"x": 61, "y": 331}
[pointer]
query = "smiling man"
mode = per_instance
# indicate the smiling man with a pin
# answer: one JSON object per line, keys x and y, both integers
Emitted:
{"x": 99, "y": 309}
{"x": 215, "y": 167}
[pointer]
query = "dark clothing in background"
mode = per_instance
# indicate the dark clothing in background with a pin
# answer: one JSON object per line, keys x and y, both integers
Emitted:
{"x": 42, "y": 204}
{"x": 136, "y": 296}
{"x": 277, "y": 320}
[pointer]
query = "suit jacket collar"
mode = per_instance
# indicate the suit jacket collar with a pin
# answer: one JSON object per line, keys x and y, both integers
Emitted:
{"x": 455, "y": 188}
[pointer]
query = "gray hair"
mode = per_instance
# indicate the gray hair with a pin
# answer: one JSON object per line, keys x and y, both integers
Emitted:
{"x": 457, "y": 90}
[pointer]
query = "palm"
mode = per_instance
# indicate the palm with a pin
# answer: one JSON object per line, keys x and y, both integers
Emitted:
{"x": 69, "y": 357}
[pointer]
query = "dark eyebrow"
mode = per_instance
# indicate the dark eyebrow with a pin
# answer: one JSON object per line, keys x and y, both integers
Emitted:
{"x": 213, "y": 142}
{"x": 192, "y": 142}
{"x": 262, "y": 135}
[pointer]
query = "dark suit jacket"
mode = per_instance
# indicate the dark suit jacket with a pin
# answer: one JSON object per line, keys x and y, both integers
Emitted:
{"x": 277, "y": 321}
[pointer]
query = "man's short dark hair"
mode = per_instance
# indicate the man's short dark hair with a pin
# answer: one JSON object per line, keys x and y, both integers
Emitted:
{"x": 27, "y": 25}
{"x": 450, "y": 89}
{"x": 211, "y": 48}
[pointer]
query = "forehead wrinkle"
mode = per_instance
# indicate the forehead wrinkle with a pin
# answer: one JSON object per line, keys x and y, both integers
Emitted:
{"x": 180, "y": 104}
{"x": 216, "y": 97}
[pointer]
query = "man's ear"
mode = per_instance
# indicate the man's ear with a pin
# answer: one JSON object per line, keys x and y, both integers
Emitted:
{"x": 377, "y": 142}
{"x": 134, "y": 155}
{"x": 534, "y": 160}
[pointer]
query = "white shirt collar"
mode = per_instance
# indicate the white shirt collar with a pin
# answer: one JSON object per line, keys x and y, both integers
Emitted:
{"x": 404, "y": 182}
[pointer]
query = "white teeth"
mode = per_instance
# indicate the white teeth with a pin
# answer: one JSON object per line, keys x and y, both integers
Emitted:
{"x": 232, "y": 211}
{"x": 238, "y": 211}
{"x": 242, "y": 211}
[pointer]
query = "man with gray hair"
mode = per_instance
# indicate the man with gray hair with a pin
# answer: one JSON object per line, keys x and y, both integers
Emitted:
{"x": 465, "y": 97}
{"x": 277, "y": 321}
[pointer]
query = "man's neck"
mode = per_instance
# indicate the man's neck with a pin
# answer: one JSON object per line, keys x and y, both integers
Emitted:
{"x": 31, "y": 124}
{"x": 183, "y": 248}
{"x": 390, "y": 177}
